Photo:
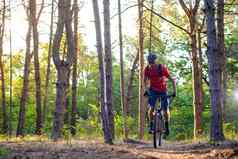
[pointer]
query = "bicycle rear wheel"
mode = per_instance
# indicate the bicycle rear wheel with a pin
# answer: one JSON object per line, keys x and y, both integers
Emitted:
{"x": 157, "y": 134}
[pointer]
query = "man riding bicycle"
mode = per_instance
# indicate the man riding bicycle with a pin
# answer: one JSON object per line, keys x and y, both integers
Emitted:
{"x": 155, "y": 80}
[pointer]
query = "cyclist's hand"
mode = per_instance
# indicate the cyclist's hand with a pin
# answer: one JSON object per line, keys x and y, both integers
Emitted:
{"x": 146, "y": 93}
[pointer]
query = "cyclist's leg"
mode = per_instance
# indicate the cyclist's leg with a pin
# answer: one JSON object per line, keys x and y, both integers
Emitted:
{"x": 151, "y": 105}
{"x": 165, "y": 108}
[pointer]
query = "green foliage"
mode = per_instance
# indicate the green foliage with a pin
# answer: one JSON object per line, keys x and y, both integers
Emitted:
{"x": 182, "y": 123}
{"x": 119, "y": 125}
{"x": 4, "y": 152}
{"x": 230, "y": 130}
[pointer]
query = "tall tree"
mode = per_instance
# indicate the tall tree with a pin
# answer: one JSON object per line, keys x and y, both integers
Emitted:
{"x": 104, "y": 108}
{"x": 151, "y": 25}
{"x": 108, "y": 63}
{"x": 214, "y": 73}
{"x": 74, "y": 76}
{"x": 45, "y": 102}
{"x": 130, "y": 84}
{"x": 34, "y": 22}
{"x": 2, "y": 75}
{"x": 221, "y": 47}
{"x": 11, "y": 71}
{"x": 141, "y": 74}
{"x": 191, "y": 13}
{"x": 62, "y": 65}
{"x": 122, "y": 84}
{"x": 24, "y": 95}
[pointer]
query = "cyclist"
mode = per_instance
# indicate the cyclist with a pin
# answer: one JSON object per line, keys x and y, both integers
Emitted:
{"x": 155, "y": 80}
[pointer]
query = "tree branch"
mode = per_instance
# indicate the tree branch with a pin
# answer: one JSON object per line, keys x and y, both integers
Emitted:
{"x": 135, "y": 5}
{"x": 147, "y": 21}
{"x": 168, "y": 21}
{"x": 185, "y": 8}
{"x": 206, "y": 81}
{"x": 40, "y": 11}
{"x": 195, "y": 8}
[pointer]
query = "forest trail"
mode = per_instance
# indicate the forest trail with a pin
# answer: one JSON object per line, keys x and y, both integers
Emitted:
{"x": 95, "y": 149}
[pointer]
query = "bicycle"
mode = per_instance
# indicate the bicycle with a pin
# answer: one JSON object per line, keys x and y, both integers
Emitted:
{"x": 159, "y": 123}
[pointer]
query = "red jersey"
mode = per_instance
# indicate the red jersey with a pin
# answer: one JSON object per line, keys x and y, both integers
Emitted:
{"x": 157, "y": 82}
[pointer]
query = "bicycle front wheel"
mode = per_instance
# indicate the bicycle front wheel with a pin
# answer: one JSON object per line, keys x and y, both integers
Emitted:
{"x": 157, "y": 134}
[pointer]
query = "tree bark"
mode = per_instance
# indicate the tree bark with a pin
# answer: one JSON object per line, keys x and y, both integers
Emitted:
{"x": 200, "y": 62}
{"x": 197, "y": 89}
{"x": 74, "y": 77}
{"x": 45, "y": 102}
{"x": 108, "y": 64}
{"x": 61, "y": 87}
{"x": 34, "y": 23}
{"x": 2, "y": 75}
{"x": 122, "y": 83}
{"x": 141, "y": 72}
{"x": 104, "y": 109}
{"x": 67, "y": 115}
{"x": 214, "y": 72}
{"x": 24, "y": 95}
{"x": 62, "y": 66}
{"x": 221, "y": 48}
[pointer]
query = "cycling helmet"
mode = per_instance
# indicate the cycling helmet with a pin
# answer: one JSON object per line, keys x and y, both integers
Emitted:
{"x": 151, "y": 58}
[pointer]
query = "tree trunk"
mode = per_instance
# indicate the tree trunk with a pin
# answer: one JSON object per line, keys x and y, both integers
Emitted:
{"x": 191, "y": 13}
{"x": 197, "y": 88}
{"x": 74, "y": 77}
{"x": 62, "y": 66}
{"x": 108, "y": 64}
{"x": 151, "y": 24}
{"x": 24, "y": 95}
{"x": 34, "y": 22}
{"x": 104, "y": 109}
{"x": 130, "y": 82}
{"x": 122, "y": 73}
{"x": 2, "y": 75}
{"x": 45, "y": 102}
{"x": 141, "y": 72}
{"x": 214, "y": 72}
{"x": 200, "y": 64}
{"x": 67, "y": 115}
{"x": 61, "y": 88}
{"x": 10, "y": 87}
{"x": 220, "y": 46}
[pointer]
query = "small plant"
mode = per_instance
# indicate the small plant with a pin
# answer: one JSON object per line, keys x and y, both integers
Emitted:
{"x": 67, "y": 134}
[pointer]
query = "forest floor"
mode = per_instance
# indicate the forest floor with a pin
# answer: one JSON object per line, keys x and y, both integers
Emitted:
{"x": 88, "y": 149}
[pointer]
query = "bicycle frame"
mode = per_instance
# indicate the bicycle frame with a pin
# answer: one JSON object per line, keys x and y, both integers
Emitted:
{"x": 159, "y": 123}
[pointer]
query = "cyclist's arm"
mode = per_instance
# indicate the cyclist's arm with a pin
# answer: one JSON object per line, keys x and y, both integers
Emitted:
{"x": 173, "y": 80}
{"x": 166, "y": 73}
{"x": 146, "y": 80}
{"x": 146, "y": 83}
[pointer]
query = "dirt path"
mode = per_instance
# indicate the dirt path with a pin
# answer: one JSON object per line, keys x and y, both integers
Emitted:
{"x": 95, "y": 149}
